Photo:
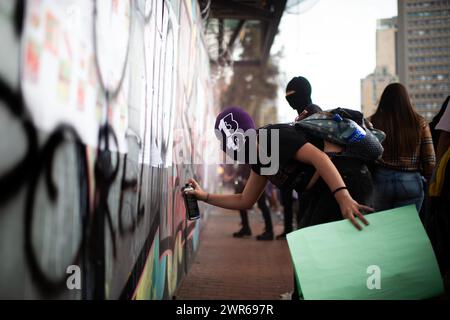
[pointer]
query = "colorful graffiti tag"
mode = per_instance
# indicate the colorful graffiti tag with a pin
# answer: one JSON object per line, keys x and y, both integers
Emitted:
{"x": 101, "y": 103}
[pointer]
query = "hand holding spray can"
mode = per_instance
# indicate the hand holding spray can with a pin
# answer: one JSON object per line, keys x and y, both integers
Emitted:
{"x": 190, "y": 202}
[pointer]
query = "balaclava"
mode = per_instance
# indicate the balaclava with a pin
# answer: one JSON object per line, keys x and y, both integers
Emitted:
{"x": 231, "y": 124}
{"x": 298, "y": 93}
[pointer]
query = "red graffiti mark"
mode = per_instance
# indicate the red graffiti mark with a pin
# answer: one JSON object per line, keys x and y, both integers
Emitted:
{"x": 32, "y": 61}
{"x": 115, "y": 6}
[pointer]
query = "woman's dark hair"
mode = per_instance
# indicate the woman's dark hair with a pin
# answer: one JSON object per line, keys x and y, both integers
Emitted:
{"x": 396, "y": 116}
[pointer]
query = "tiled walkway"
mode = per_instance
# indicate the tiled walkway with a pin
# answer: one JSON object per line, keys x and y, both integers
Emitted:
{"x": 230, "y": 268}
{"x": 227, "y": 268}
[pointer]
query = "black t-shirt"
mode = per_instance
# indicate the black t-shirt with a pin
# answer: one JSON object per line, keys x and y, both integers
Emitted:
{"x": 292, "y": 174}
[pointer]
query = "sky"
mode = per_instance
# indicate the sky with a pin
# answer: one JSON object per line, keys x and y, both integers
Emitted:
{"x": 332, "y": 44}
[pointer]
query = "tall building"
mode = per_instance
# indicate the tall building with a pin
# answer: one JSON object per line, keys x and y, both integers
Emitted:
{"x": 372, "y": 87}
{"x": 424, "y": 52}
{"x": 386, "y": 43}
{"x": 385, "y": 71}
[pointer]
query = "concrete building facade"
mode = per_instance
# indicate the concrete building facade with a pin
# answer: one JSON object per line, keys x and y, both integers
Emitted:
{"x": 424, "y": 52}
{"x": 385, "y": 71}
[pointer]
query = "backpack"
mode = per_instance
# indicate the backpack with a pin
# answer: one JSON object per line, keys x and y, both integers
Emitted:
{"x": 346, "y": 128}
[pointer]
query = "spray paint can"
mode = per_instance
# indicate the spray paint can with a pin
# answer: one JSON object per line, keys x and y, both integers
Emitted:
{"x": 190, "y": 202}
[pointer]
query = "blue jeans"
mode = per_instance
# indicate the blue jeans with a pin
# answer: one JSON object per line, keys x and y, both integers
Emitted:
{"x": 393, "y": 188}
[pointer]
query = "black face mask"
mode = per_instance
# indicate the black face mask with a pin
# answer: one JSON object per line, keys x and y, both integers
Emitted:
{"x": 297, "y": 102}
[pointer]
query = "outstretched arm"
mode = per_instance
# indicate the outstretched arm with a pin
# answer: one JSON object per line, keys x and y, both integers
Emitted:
{"x": 309, "y": 154}
{"x": 241, "y": 201}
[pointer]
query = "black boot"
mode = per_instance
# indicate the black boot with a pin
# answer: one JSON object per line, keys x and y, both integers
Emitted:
{"x": 266, "y": 235}
{"x": 242, "y": 233}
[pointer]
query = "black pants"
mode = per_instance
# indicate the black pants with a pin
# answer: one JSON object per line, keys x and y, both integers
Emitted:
{"x": 322, "y": 207}
{"x": 286, "y": 201}
{"x": 243, "y": 213}
{"x": 244, "y": 219}
{"x": 262, "y": 205}
{"x": 303, "y": 204}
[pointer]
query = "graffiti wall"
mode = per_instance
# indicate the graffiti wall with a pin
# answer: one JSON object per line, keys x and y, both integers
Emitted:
{"x": 102, "y": 105}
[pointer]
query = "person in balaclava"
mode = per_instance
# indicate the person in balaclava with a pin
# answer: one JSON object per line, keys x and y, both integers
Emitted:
{"x": 298, "y": 95}
{"x": 240, "y": 173}
{"x": 302, "y": 164}
{"x": 311, "y": 203}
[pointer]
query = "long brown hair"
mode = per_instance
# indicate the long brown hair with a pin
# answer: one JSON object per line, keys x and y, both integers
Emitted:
{"x": 395, "y": 116}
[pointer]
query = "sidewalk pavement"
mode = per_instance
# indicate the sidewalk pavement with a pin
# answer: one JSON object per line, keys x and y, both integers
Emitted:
{"x": 237, "y": 268}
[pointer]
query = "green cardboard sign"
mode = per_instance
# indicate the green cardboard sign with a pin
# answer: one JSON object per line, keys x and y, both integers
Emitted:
{"x": 392, "y": 258}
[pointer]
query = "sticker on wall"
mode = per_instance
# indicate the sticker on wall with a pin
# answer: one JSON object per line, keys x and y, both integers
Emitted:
{"x": 35, "y": 20}
{"x": 59, "y": 76}
{"x": 64, "y": 81}
{"x": 51, "y": 33}
{"x": 32, "y": 61}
